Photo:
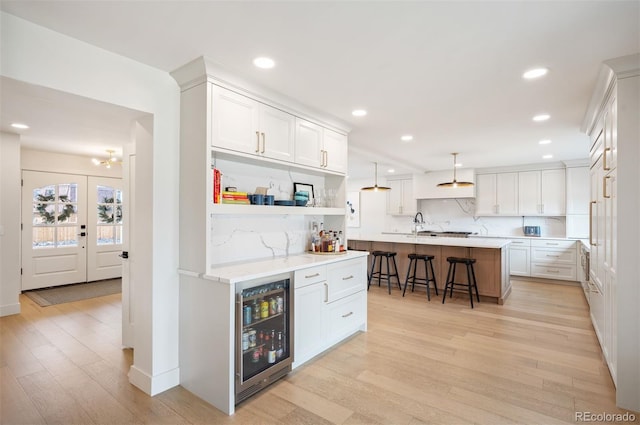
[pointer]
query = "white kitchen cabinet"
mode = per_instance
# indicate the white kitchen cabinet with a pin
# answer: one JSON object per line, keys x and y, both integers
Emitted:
{"x": 577, "y": 190}
{"x": 554, "y": 259}
{"x": 497, "y": 194}
{"x": 520, "y": 257}
{"x": 330, "y": 304}
{"x": 320, "y": 147}
{"x": 400, "y": 199}
{"x": 245, "y": 125}
{"x": 541, "y": 192}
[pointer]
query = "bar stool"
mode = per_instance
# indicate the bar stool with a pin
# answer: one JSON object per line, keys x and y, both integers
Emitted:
{"x": 451, "y": 277}
{"x": 377, "y": 257}
{"x": 428, "y": 266}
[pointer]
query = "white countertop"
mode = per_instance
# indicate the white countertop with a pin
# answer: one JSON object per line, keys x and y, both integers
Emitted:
{"x": 256, "y": 269}
{"x": 474, "y": 242}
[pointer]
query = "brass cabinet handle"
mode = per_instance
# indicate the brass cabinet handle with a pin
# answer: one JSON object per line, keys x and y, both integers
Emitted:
{"x": 257, "y": 141}
{"x": 604, "y": 159}
{"x": 604, "y": 187}
{"x": 591, "y": 223}
{"x": 263, "y": 143}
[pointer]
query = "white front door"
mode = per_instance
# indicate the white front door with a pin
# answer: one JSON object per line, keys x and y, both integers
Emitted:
{"x": 104, "y": 225}
{"x": 53, "y": 229}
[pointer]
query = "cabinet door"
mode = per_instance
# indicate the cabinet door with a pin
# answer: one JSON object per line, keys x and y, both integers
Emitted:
{"x": 486, "y": 194}
{"x": 394, "y": 197}
{"x": 553, "y": 192}
{"x": 335, "y": 151}
{"x": 507, "y": 193}
{"x": 277, "y": 130}
{"x": 309, "y": 307}
{"x": 234, "y": 121}
{"x": 519, "y": 264}
{"x": 578, "y": 190}
{"x": 610, "y": 152}
{"x": 308, "y": 143}
{"x": 596, "y": 231}
{"x": 529, "y": 195}
{"x": 409, "y": 203}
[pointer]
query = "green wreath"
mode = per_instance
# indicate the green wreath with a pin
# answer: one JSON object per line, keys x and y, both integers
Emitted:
{"x": 50, "y": 218}
{"x": 105, "y": 217}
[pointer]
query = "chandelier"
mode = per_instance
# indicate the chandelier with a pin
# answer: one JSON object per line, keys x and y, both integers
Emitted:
{"x": 107, "y": 162}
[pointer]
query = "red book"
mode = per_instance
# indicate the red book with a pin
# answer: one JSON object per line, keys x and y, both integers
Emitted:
{"x": 217, "y": 177}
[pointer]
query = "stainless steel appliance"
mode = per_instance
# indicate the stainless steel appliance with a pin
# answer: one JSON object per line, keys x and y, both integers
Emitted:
{"x": 532, "y": 230}
{"x": 264, "y": 333}
{"x": 584, "y": 263}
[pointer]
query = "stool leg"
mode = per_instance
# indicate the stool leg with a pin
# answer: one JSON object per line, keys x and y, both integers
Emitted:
{"x": 453, "y": 279}
{"x": 426, "y": 280}
{"x": 388, "y": 276}
{"x": 433, "y": 275}
{"x": 406, "y": 281}
{"x": 413, "y": 280}
{"x": 373, "y": 266}
{"x": 473, "y": 273}
{"x": 470, "y": 284}
{"x": 395, "y": 270}
{"x": 446, "y": 284}
{"x": 379, "y": 270}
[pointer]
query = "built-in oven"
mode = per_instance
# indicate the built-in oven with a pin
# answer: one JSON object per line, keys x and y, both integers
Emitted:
{"x": 584, "y": 263}
{"x": 264, "y": 333}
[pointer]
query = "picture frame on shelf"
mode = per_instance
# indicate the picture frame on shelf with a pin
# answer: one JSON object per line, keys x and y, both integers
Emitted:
{"x": 304, "y": 187}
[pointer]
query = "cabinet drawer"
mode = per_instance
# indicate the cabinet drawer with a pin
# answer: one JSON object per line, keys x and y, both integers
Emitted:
{"x": 552, "y": 255}
{"x": 552, "y": 271}
{"x": 345, "y": 316}
{"x": 308, "y": 276}
{"x": 345, "y": 278}
{"x": 550, "y": 243}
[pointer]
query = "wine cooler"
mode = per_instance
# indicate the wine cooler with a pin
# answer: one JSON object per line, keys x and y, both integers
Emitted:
{"x": 264, "y": 333}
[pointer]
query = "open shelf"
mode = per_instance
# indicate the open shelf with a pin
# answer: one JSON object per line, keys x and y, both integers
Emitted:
{"x": 219, "y": 209}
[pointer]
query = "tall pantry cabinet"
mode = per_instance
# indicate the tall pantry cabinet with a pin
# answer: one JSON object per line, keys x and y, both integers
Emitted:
{"x": 613, "y": 125}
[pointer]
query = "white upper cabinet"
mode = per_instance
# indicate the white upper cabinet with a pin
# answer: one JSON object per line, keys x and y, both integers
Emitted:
{"x": 400, "y": 199}
{"x": 578, "y": 185}
{"x": 541, "y": 192}
{"x": 320, "y": 147}
{"x": 497, "y": 194}
{"x": 245, "y": 125}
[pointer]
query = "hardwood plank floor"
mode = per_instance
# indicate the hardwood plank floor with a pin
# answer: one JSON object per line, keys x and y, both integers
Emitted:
{"x": 533, "y": 360}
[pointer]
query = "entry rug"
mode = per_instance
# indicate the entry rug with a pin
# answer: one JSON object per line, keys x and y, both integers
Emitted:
{"x": 75, "y": 292}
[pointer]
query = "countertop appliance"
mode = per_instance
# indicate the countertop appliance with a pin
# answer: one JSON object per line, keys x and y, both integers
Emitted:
{"x": 264, "y": 333}
{"x": 532, "y": 230}
{"x": 449, "y": 234}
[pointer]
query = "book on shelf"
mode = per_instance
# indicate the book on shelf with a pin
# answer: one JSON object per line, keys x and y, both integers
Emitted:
{"x": 217, "y": 178}
{"x": 237, "y": 194}
{"x": 236, "y": 201}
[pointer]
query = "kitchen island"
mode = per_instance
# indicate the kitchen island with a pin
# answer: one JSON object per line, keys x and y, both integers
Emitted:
{"x": 491, "y": 254}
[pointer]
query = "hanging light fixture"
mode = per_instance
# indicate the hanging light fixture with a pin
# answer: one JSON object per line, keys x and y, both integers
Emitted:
{"x": 107, "y": 162}
{"x": 455, "y": 183}
{"x": 376, "y": 187}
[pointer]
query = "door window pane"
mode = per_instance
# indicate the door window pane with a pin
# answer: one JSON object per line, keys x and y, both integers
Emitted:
{"x": 67, "y": 237}
{"x": 43, "y": 237}
{"x": 105, "y": 235}
{"x": 67, "y": 213}
{"x": 40, "y": 193}
{"x": 109, "y": 209}
{"x": 118, "y": 234}
{"x": 105, "y": 214}
{"x": 68, "y": 192}
{"x": 44, "y": 214}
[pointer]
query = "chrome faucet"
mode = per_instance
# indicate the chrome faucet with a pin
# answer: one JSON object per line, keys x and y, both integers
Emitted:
{"x": 417, "y": 223}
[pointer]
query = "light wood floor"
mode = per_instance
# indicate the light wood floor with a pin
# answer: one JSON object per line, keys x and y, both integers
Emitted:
{"x": 534, "y": 360}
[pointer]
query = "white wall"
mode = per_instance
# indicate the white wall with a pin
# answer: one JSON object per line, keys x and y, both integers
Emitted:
{"x": 35, "y": 160}
{"x": 9, "y": 224}
{"x": 36, "y": 55}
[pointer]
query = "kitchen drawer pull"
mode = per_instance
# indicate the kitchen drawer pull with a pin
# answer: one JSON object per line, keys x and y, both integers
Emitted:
{"x": 348, "y": 314}
{"x": 311, "y": 275}
{"x": 348, "y": 277}
{"x": 553, "y": 271}
{"x": 554, "y": 256}
{"x": 552, "y": 243}
{"x": 326, "y": 292}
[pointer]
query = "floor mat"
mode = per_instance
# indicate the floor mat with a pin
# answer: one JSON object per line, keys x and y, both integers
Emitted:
{"x": 75, "y": 292}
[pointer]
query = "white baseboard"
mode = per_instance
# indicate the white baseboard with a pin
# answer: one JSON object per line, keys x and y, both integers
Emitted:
{"x": 153, "y": 385}
{"x": 9, "y": 309}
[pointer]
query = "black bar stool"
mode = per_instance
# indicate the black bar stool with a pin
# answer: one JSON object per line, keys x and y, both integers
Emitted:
{"x": 428, "y": 266}
{"x": 377, "y": 257}
{"x": 451, "y": 277}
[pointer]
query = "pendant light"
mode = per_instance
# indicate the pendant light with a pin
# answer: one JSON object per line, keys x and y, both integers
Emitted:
{"x": 455, "y": 183}
{"x": 376, "y": 187}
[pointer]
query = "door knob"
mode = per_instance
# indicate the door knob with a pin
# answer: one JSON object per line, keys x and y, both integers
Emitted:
{"x": 125, "y": 254}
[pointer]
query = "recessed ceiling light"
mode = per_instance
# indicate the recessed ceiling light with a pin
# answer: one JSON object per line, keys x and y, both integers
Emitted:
{"x": 547, "y": 156}
{"x": 406, "y": 138}
{"x": 391, "y": 170}
{"x": 264, "y": 62}
{"x": 457, "y": 164}
{"x": 541, "y": 117}
{"x": 535, "y": 73}
{"x": 544, "y": 142}
{"x": 19, "y": 125}
{"x": 359, "y": 113}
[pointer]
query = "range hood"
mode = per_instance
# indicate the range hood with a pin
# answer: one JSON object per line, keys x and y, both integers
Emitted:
{"x": 425, "y": 186}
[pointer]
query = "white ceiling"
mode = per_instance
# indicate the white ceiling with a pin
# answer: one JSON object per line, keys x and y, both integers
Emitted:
{"x": 449, "y": 73}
